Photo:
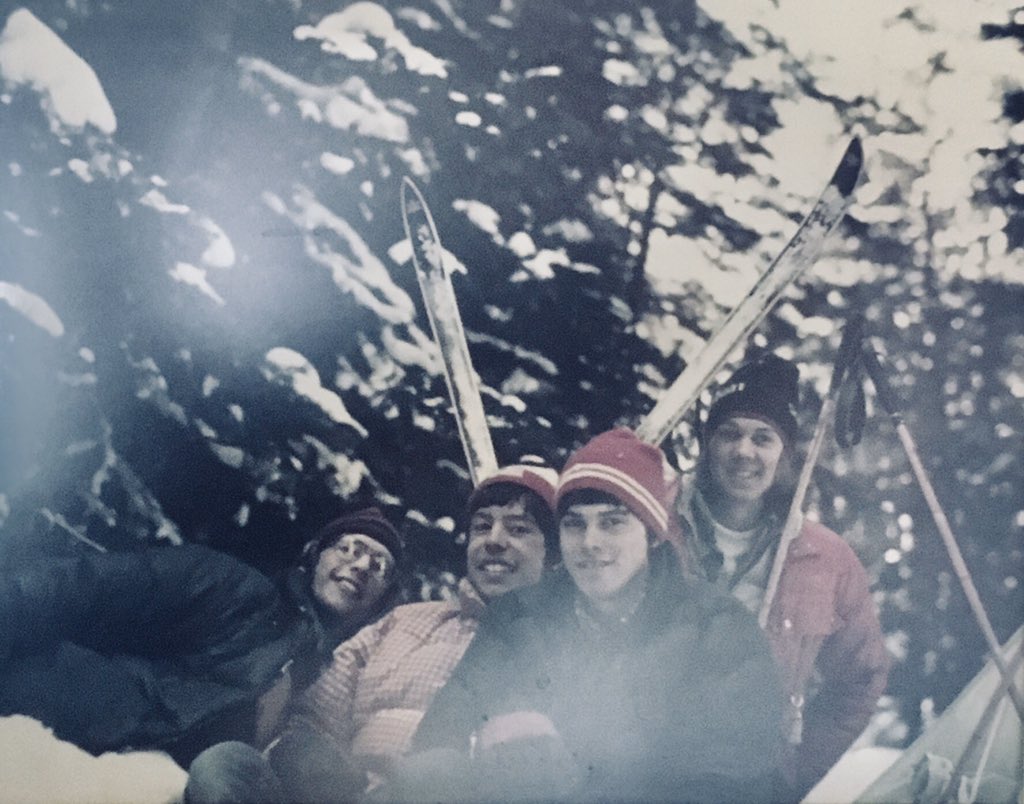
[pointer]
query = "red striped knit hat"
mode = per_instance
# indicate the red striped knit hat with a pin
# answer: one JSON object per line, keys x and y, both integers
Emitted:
{"x": 620, "y": 464}
{"x": 540, "y": 480}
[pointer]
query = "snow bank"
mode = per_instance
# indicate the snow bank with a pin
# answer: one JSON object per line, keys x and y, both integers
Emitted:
{"x": 38, "y": 767}
{"x": 33, "y": 55}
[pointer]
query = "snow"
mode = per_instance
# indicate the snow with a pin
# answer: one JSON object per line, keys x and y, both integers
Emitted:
{"x": 468, "y": 119}
{"x": 70, "y": 93}
{"x": 14, "y": 218}
{"x": 357, "y": 271}
{"x": 285, "y": 366}
{"x": 522, "y": 245}
{"x": 621, "y": 73}
{"x": 339, "y": 165}
{"x": 346, "y": 475}
{"x": 81, "y": 169}
{"x": 349, "y": 106}
{"x": 196, "y": 277}
{"x": 852, "y": 775}
{"x": 877, "y": 50}
{"x": 38, "y": 767}
{"x": 401, "y": 253}
{"x": 347, "y": 33}
{"x": 547, "y": 71}
{"x": 220, "y": 253}
{"x": 542, "y": 264}
{"x": 33, "y": 307}
{"x": 158, "y": 201}
{"x": 481, "y": 215}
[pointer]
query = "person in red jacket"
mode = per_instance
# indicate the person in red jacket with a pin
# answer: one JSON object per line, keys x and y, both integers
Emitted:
{"x": 822, "y": 624}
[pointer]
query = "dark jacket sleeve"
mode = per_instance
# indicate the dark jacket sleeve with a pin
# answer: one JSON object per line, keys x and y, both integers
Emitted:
{"x": 479, "y": 686}
{"x": 177, "y": 635}
{"x": 854, "y": 666}
{"x": 726, "y": 706}
{"x": 184, "y": 602}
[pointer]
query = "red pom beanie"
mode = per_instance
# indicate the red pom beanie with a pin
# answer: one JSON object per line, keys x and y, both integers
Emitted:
{"x": 620, "y": 464}
{"x": 541, "y": 480}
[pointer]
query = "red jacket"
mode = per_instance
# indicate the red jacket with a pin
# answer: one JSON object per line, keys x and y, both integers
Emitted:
{"x": 825, "y": 634}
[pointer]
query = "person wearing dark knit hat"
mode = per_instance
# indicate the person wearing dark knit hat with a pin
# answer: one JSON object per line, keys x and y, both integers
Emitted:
{"x": 180, "y": 647}
{"x": 822, "y": 619}
{"x": 350, "y": 566}
{"x": 357, "y": 719}
{"x": 614, "y": 678}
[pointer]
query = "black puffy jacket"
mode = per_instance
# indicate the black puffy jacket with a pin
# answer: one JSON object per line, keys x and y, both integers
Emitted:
{"x": 168, "y": 647}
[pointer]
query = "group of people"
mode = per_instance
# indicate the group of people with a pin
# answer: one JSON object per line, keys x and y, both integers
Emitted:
{"x": 603, "y": 644}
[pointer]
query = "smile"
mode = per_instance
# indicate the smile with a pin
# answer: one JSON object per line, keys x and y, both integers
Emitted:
{"x": 594, "y": 563}
{"x": 496, "y": 567}
{"x": 349, "y": 585}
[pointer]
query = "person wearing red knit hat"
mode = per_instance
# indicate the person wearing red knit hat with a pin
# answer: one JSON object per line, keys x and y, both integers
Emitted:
{"x": 614, "y": 678}
{"x": 359, "y": 716}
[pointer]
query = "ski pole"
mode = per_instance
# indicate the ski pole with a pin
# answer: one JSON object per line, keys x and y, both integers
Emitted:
{"x": 888, "y": 402}
{"x": 846, "y": 357}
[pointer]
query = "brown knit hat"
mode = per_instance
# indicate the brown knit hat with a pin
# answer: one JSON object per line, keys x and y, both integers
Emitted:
{"x": 620, "y": 464}
{"x": 367, "y": 521}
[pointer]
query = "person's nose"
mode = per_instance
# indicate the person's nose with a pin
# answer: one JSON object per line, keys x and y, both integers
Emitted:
{"x": 592, "y": 536}
{"x": 361, "y": 564}
{"x": 745, "y": 448}
{"x": 497, "y": 539}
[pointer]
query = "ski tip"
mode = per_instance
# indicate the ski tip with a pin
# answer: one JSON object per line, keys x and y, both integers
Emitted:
{"x": 410, "y": 196}
{"x": 847, "y": 173}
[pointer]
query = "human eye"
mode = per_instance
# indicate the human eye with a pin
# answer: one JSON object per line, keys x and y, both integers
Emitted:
{"x": 523, "y": 529}
{"x": 479, "y": 526}
{"x": 571, "y": 522}
{"x": 727, "y": 433}
{"x": 764, "y": 438}
{"x": 614, "y": 521}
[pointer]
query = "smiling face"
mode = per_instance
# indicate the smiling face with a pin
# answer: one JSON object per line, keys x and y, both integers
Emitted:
{"x": 352, "y": 575}
{"x": 505, "y": 549}
{"x": 743, "y": 458}
{"x": 605, "y": 549}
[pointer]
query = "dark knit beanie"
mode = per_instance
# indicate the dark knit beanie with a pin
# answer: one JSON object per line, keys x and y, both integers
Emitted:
{"x": 620, "y": 464}
{"x": 369, "y": 522}
{"x": 765, "y": 389}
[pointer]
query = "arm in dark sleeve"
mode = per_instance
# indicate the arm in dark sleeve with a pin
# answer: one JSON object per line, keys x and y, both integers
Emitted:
{"x": 75, "y": 599}
{"x": 854, "y": 667}
{"x": 187, "y": 602}
{"x": 478, "y": 687}
{"x": 728, "y": 743}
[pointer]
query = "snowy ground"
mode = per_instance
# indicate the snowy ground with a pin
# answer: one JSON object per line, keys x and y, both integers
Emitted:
{"x": 851, "y": 776}
{"x": 37, "y": 767}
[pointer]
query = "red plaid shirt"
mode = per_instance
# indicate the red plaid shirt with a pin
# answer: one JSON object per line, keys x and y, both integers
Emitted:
{"x": 371, "y": 698}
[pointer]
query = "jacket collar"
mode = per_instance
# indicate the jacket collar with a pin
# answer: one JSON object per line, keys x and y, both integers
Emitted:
{"x": 703, "y": 557}
{"x": 471, "y": 605}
